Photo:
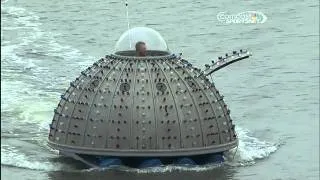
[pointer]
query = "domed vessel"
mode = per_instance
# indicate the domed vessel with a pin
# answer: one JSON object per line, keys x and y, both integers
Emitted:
{"x": 156, "y": 106}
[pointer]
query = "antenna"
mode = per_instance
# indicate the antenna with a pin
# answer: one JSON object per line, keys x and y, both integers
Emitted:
{"x": 127, "y": 9}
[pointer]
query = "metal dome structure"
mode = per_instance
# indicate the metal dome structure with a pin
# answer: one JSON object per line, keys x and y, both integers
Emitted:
{"x": 153, "y": 106}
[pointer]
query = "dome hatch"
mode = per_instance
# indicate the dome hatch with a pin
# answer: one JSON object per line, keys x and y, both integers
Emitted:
{"x": 154, "y": 41}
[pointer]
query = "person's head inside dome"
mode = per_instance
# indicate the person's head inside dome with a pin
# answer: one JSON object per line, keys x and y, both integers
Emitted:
{"x": 141, "y": 49}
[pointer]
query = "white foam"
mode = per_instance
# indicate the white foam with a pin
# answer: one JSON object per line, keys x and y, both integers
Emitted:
{"x": 249, "y": 149}
{"x": 12, "y": 157}
{"x": 161, "y": 169}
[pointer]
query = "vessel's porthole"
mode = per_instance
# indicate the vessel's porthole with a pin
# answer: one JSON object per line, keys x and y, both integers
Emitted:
{"x": 125, "y": 87}
{"x": 192, "y": 84}
{"x": 94, "y": 84}
{"x": 161, "y": 87}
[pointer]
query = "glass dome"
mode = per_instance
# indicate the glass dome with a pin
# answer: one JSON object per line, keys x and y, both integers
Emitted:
{"x": 152, "y": 39}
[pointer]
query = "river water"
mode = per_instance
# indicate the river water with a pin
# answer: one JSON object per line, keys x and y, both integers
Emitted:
{"x": 273, "y": 96}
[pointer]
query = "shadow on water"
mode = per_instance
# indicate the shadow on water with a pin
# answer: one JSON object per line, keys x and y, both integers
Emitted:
{"x": 223, "y": 172}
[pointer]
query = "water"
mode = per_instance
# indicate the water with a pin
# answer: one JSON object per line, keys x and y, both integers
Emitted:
{"x": 273, "y": 97}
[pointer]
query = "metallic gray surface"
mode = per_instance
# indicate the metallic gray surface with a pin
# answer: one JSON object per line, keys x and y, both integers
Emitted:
{"x": 142, "y": 106}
